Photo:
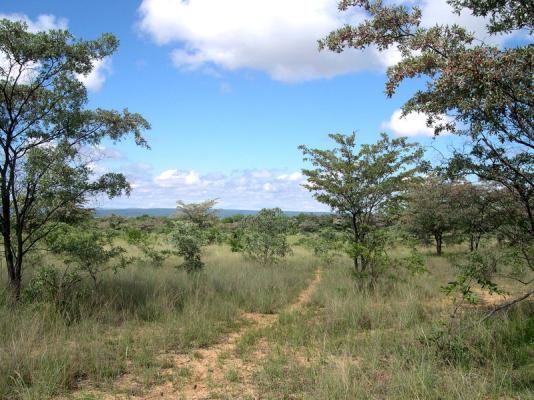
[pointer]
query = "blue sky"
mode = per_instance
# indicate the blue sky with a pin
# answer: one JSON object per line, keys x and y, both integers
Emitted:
{"x": 231, "y": 88}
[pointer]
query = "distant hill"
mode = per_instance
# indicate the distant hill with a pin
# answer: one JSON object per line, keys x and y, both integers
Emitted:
{"x": 167, "y": 212}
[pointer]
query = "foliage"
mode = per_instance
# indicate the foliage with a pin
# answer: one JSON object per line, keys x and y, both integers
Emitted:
{"x": 482, "y": 268}
{"x": 60, "y": 287}
{"x": 145, "y": 243}
{"x": 430, "y": 210}
{"x": 361, "y": 184}
{"x": 200, "y": 214}
{"x": 477, "y": 211}
{"x": 265, "y": 236}
{"x": 87, "y": 251}
{"x": 235, "y": 240}
{"x": 478, "y": 268}
{"x": 47, "y": 135}
{"x": 189, "y": 239}
{"x": 327, "y": 244}
{"x": 473, "y": 89}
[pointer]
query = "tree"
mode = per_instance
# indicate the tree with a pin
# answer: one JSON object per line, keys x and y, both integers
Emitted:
{"x": 360, "y": 184}
{"x": 189, "y": 239}
{"x": 473, "y": 89}
{"x": 477, "y": 212}
{"x": 46, "y": 134}
{"x": 429, "y": 210}
{"x": 87, "y": 250}
{"x": 265, "y": 236}
{"x": 200, "y": 214}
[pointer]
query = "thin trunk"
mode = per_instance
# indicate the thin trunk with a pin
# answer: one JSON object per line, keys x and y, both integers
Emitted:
{"x": 357, "y": 264}
{"x": 439, "y": 243}
{"x": 472, "y": 243}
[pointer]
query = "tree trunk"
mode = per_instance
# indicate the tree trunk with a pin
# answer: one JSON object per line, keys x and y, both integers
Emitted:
{"x": 15, "y": 288}
{"x": 471, "y": 243}
{"x": 439, "y": 243}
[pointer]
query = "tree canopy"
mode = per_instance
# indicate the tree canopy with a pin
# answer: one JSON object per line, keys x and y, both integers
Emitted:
{"x": 361, "y": 183}
{"x": 47, "y": 135}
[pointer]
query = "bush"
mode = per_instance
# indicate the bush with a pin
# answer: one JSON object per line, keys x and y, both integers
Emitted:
{"x": 189, "y": 239}
{"x": 60, "y": 288}
{"x": 87, "y": 250}
{"x": 265, "y": 236}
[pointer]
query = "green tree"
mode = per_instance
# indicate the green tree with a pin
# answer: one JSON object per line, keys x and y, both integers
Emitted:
{"x": 477, "y": 211}
{"x": 359, "y": 184}
{"x": 46, "y": 132}
{"x": 265, "y": 236}
{"x": 429, "y": 211}
{"x": 200, "y": 214}
{"x": 476, "y": 90}
{"x": 189, "y": 239}
{"x": 485, "y": 91}
{"x": 87, "y": 250}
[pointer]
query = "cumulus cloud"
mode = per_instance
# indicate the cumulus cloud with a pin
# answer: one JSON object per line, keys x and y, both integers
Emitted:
{"x": 278, "y": 37}
{"x": 45, "y": 22}
{"x": 413, "y": 124}
{"x": 241, "y": 189}
{"x": 96, "y": 78}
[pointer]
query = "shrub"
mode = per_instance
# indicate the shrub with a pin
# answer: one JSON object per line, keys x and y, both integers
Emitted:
{"x": 265, "y": 236}
{"x": 189, "y": 239}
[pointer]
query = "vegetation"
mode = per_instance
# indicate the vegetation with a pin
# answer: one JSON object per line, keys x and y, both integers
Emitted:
{"x": 265, "y": 236}
{"x": 46, "y": 129}
{"x": 362, "y": 185}
{"x": 104, "y": 312}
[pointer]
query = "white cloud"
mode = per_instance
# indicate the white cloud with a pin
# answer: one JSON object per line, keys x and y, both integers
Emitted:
{"x": 438, "y": 12}
{"x": 413, "y": 124}
{"x": 278, "y": 37}
{"x": 174, "y": 178}
{"x": 243, "y": 189}
{"x": 96, "y": 78}
{"x": 44, "y": 22}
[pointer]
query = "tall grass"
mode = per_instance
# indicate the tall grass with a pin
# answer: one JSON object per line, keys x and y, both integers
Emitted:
{"x": 388, "y": 343}
{"x": 134, "y": 316}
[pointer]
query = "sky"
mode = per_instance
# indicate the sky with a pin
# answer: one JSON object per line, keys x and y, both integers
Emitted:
{"x": 231, "y": 89}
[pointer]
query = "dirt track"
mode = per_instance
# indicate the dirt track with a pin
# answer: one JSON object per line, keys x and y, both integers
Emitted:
{"x": 210, "y": 370}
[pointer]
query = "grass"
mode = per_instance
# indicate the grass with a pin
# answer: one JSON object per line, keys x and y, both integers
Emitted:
{"x": 136, "y": 315}
{"x": 348, "y": 342}
{"x": 352, "y": 342}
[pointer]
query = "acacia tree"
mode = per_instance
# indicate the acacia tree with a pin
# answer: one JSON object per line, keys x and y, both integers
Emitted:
{"x": 430, "y": 210}
{"x": 200, "y": 214}
{"x": 359, "y": 184}
{"x": 478, "y": 211}
{"x": 485, "y": 91}
{"x": 46, "y": 132}
{"x": 265, "y": 236}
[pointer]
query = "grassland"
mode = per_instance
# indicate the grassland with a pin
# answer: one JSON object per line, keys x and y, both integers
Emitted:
{"x": 238, "y": 330}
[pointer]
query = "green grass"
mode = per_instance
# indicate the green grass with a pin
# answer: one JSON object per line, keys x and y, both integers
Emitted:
{"x": 355, "y": 343}
{"x": 136, "y": 315}
{"x": 349, "y": 342}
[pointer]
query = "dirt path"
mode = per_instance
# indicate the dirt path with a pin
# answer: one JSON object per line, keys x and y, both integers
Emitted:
{"x": 216, "y": 371}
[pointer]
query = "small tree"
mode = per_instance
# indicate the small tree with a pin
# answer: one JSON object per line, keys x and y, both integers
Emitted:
{"x": 144, "y": 242}
{"x": 200, "y": 214}
{"x": 477, "y": 211}
{"x": 430, "y": 211}
{"x": 189, "y": 239}
{"x": 265, "y": 236}
{"x": 360, "y": 184}
{"x": 87, "y": 251}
